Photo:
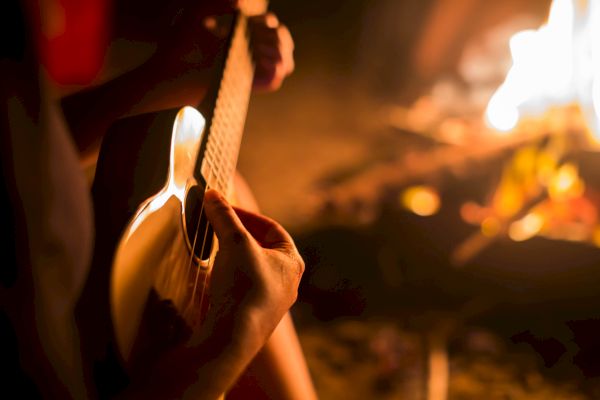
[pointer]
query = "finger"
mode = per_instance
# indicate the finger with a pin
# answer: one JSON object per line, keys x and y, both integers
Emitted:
{"x": 285, "y": 38}
{"x": 267, "y": 232}
{"x": 269, "y": 74}
{"x": 286, "y": 48}
{"x": 275, "y": 46}
{"x": 263, "y": 51}
{"x": 266, "y": 29}
{"x": 277, "y": 36}
{"x": 261, "y": 30}
{"x": 268, "y": 19}
{"x": 224, "y": 220}
{"x": 268, "y": 77}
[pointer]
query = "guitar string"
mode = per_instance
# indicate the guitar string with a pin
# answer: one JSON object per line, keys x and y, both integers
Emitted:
{"x": 206, "y": 231}
{"x": 204, "y": 283}
{"x": 194, "y": 249}
{"x": 211, "y": 175}
{"x": 203, "y": 247}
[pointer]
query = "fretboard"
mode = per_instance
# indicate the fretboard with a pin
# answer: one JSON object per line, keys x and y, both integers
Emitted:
{"x": 225, "y": 128}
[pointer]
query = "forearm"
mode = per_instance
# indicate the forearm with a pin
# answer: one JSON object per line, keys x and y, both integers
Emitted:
{"x": 207, "y": 366}
{"x": 145, "y": 89}
{"x": 279, "y": 370}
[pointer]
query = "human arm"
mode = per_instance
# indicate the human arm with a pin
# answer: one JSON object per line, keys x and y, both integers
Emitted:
{"x": 178, "y": 72}
{"x": 279, "y": 370}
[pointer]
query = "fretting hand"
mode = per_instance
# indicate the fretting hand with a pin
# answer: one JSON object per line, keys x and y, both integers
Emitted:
{"x": 179, "y": 71}
{"x": 188, "y": 34}
{"x": 273, "y": 50}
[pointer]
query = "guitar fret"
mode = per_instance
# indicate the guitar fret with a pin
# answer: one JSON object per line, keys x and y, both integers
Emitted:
{"x": 225, "y": 133}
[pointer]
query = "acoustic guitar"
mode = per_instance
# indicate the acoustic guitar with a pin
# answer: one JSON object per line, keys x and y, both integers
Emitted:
{"x": 154, "y": 246}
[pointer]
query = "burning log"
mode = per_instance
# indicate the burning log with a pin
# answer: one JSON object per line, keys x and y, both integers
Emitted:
{"x": 367, "y": 189}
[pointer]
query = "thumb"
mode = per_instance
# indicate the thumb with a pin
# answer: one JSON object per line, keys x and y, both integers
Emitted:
{"x": 225, "y": 222}
{"x": 267, "y": 232}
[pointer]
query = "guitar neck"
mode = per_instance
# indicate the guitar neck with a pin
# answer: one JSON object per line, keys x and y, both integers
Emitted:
{"x": 219, "y": 151}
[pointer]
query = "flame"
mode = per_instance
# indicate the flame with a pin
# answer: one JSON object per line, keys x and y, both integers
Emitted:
{"x": 557, "y": 64}
{"x": 526, "y": 228}
{"x": 490, "y": 226}
{"x": 566, "y": 183}
{"x": 532, "y": 174}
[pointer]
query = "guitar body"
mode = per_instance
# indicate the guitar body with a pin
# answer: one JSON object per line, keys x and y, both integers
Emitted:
{"x": 143, "y": 262}
{"x": 156, "y": 250}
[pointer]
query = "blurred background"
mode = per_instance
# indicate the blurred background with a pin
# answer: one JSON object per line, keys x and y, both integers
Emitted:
{"x": 437, "y": 163}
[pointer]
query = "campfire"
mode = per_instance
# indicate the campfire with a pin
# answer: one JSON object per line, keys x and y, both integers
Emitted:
{"x": 554, "y": 80}
{"x": 474, "y": 204}
{"x": 539, "y": 120}
{"x": 555, "y": 65}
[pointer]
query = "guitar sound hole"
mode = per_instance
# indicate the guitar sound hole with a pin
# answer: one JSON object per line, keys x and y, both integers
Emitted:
{"x": 199, "y": 232}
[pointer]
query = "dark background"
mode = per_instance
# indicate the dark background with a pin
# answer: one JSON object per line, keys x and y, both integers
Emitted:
{"x": 373, "y": 260}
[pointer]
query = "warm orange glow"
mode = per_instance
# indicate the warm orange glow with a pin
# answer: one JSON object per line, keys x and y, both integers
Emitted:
{"x": 596, "y": 236}
{"x": 421, "y": 200}
{"x": 546, "y": 166}
{"x": 526, "y": 228}
{"x": 557, "y": 64}
{"x": 490, "y": 227}
{"x": 509, "y": 198}
{"x": 566, "y": 183}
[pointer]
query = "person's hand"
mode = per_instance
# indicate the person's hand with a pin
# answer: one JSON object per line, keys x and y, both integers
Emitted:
{"x": 254, "y": 282}
{"x": 273, "y": 50}
{"x": 272, "y": 45}
{"x": 189, "y": 33}
{"x": 256, "y": 273}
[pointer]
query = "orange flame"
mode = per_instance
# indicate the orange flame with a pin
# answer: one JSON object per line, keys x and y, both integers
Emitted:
{"x": 557, "y": 64}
